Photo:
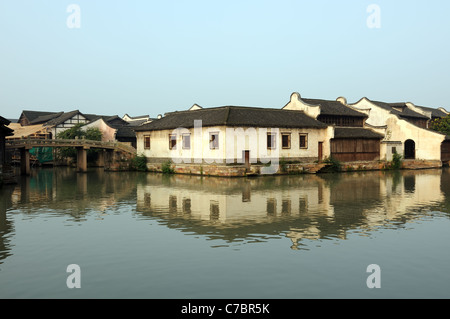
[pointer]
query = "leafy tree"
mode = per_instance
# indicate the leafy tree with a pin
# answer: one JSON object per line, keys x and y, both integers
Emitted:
{"x": 441, "y": 125}
{"x": 77, "y": 132}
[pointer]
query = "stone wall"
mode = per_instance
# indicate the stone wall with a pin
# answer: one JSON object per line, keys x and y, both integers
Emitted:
{"x": 286, "y": 169}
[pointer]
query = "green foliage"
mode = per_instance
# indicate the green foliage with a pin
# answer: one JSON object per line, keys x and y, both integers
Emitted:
{"x": 333, "y": 164}
{"x": 396, "y": 162}
{"x": 283, "y": 165}
{"x": 441, "y": 125}
{"x": 76, "y": 132}
{"x": 167, "y": 168}
{"x": 139, "y": 163}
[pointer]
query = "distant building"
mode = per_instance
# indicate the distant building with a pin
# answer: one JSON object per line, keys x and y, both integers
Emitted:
{"x": 36, "y": 117}
{"x": 113, "y": 128}
{"x": 137, "y": 120}
{"x": 55, "y": 122}
{"x": 36, "y": 131}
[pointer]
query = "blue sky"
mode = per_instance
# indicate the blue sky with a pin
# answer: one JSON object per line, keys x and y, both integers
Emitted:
{"x": 151, "y": 57}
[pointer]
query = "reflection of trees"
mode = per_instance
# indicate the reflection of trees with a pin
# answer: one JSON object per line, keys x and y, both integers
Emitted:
{"x": 64, "y": 191}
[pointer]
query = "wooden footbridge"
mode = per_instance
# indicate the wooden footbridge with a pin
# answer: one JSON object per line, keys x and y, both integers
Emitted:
{"x": 111, "y": 150}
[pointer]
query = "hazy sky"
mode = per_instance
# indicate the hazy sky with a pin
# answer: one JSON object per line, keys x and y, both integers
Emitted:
{"x": 151, "y": 57}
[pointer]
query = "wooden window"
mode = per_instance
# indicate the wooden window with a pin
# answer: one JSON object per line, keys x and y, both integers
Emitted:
{"x": 172, "y": 141}
{"x": 271, "y": 141}
{"x": 214, "y": 140}
{"x": 286, "y": 140}
{"x": 146, "y": 142}
{"x": 303, "y": 140}
{"x": 186, "y": 141}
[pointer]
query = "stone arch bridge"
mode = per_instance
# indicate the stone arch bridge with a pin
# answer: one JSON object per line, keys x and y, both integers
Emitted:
{"x": 110, "y": 155}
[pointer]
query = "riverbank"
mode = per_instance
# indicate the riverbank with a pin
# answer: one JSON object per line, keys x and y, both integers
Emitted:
{"x": 222, "y": 170}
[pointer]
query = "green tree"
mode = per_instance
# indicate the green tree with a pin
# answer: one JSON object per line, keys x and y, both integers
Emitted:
{"x": 441, "y": 125}
{"x": 91, "y": 133}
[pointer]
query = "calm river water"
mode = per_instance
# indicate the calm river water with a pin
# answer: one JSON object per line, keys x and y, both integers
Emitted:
{"x": 144, "y": 235}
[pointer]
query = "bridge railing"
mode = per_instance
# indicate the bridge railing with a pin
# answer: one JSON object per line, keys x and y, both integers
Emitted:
{"x": 17, "y": 143}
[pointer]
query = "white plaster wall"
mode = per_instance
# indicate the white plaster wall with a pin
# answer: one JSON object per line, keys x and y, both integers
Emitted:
{"x": 108, "y": 133}
{"x": 428, "y": 143}
{"x": 297, "y": 104}
{"x": 377, "y": 115}
{"x": 232, "y": 143}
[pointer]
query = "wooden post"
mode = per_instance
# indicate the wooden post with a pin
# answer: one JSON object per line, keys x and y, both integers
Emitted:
{"x": 25, "y": 161}
{"x": 81, "y": 160}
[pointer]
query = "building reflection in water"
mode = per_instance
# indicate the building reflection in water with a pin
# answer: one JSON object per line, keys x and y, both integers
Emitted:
{"x": 305, "y": 207}
{"x": 232, "y": 211}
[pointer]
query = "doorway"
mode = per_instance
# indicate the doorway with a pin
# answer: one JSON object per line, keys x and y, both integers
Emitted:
{"x": 410, "y": 149}
{"x": 320, "y": 155}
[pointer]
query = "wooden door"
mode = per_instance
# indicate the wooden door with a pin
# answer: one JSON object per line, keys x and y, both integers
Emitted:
{"x": 320, "y": 155}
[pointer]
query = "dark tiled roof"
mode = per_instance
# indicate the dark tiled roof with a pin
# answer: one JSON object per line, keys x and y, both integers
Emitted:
{"x": 62, "y": 118}
{"x": 3, "y": 127}
{"x": 4, "y": 121}
{"x": 405, "y": 111}
{"x": 356, "y": 132}
{"x": 138, "y": 122}
{"x": 234, "y": 116}
{"x": 434, "y": 112}
{"x": 45, "y": 118}
{"x": 334, "y": 108}
{"x": 125, "y": 131}
{"x": 32, "y": 115}
{"x": 137, "y": 117}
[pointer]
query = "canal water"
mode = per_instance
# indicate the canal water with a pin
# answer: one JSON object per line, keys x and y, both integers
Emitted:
{"x": 145, "y": 235}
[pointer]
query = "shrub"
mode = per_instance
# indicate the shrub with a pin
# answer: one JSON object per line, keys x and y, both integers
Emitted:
{"x": 167, "y": 168}
{"x": 139, "y": 163}
{"x": 333, "y": 164}
{"x": 396, "y": 162}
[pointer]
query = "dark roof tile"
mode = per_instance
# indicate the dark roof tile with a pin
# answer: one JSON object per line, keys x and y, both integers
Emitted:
{"x": 356, "y": 132}
{"x": 328, "y": 107}
{"x": 404, "y": 112}
{"x": 234, "y": 116}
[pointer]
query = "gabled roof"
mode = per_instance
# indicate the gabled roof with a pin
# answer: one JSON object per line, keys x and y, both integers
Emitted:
{"x": 328, "y": 107}
{"x": 434, "y": 112}
{"x": 356, "y": 132}
{"x": 404, "y": 110}
{"x": 234, "y": 116}
{"x": 32, "y": 115}
{"x": 62, "y": 118}
{"x": 45, "y": 118}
